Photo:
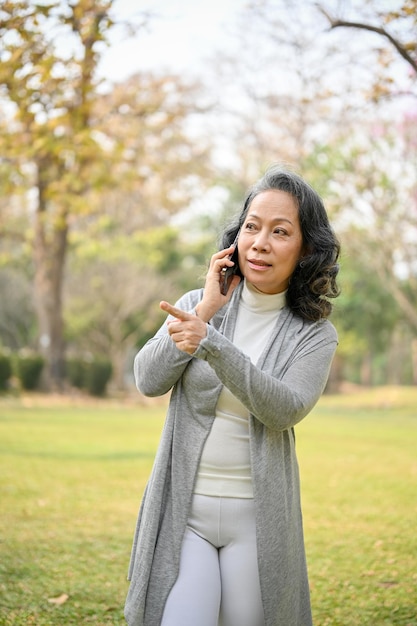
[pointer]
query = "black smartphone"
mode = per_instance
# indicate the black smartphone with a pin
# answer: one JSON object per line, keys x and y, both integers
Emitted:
{"x": 227, "y": 273}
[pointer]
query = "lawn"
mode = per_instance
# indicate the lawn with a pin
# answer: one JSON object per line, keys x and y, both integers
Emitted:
{"x": 72, "y": 473}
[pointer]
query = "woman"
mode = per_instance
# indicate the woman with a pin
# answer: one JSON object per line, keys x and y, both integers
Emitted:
{"x": 219, "y": 538}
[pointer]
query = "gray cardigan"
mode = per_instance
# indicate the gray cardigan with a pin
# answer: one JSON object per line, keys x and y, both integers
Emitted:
{"x": 279, "y": 391}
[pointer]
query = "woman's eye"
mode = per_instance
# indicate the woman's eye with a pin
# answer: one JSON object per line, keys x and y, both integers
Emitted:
{"x": 277, "y": 231}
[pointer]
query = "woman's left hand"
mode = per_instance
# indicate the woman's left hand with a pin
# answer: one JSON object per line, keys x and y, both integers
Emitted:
{"x": 186, "y": 330}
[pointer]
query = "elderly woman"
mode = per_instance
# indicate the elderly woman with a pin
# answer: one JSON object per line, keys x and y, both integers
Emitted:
{"x": 219, "y": 538}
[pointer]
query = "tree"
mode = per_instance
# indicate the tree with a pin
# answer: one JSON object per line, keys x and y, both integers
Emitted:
{"x": 390, "y": 155}
{"x": 147, "y": 266}
{"x": 48, "y": 137}
{"x": 373, "y": 194}
{"x": 366, "y": 314}
{"x": 70, "y": 147}
{"x": 283, "y": 88}
{"x": 129, "y": 245}
{"x": 398, "y": 28}
{"x": 392, "y": 205}
{"x": 160, "y": 165}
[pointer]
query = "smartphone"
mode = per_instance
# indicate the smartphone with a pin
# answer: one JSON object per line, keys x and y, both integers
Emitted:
{"x": 227, "y": 273}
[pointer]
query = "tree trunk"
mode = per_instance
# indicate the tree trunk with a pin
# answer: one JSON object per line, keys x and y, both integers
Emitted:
{"x": 122, "y": 351}
{"x": 366, "y": 369}
{"x": 50, "y": 245}
{"x": 118, "y": 363}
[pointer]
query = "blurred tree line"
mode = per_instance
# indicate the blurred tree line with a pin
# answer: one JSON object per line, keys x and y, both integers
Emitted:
{"x": 113, "y": 195}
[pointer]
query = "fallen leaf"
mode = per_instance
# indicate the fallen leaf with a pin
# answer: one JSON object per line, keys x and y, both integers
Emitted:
{"x": 59, "y": 599}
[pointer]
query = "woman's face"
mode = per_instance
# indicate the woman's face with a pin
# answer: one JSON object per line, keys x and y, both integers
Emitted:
{"x": 270, "y": 242}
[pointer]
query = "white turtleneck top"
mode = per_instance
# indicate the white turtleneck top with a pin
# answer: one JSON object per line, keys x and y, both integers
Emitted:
{"x": 225, "y": 468}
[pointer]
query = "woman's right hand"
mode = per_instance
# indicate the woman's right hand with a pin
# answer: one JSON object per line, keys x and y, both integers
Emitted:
{"x": 213, "y": 299}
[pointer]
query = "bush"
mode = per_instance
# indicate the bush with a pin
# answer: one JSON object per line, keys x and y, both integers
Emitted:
{"x": 28, "y": 369}
{"x": 5, "y": 371}
{"x": 97, "y": 376}
{"x": 76, "y": 371}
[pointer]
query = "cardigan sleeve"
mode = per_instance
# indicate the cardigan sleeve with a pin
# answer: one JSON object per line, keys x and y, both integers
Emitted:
{"x": 160, "y": 364}
{"x": 279, "y": 402}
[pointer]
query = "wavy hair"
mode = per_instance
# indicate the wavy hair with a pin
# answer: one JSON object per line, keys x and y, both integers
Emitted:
{"x": 313, "y": 282}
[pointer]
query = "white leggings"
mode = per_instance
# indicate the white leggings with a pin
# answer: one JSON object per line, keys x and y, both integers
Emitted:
{"x": 218, "y": 581}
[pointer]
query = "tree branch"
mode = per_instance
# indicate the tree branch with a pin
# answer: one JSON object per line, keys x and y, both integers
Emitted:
{"x": 336, "y": 23}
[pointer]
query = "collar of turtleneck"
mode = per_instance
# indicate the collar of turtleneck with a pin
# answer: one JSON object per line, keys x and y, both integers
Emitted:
{"x": 260, "y": 302}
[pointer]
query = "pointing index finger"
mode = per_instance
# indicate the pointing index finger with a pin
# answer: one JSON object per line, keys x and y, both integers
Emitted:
{"x": 175, "y": 312}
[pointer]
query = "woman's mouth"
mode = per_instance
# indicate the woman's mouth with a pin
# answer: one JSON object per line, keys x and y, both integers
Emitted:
{"x": 258, "y": 264}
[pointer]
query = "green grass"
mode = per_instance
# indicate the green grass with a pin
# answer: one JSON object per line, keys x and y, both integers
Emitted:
{"x": 71, "y": 478}
{"x": 358, "y": 460}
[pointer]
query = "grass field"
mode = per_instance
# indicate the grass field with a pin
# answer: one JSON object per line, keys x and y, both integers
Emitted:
{"x": 71, "y": 477}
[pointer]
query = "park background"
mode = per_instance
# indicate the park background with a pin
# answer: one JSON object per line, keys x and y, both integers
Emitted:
{"x": 129, "y": 134}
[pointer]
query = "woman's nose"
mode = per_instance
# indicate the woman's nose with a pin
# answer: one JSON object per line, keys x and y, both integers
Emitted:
{"x": 261, "y": 241}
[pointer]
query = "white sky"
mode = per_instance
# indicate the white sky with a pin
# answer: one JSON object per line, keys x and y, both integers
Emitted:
{"x": 180, "y": 37}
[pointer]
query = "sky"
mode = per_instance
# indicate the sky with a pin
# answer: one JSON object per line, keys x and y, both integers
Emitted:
{"x": 183, "y": 34}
